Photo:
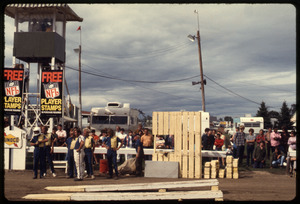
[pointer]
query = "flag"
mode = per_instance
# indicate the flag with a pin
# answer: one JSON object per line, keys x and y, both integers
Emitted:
{"x": 79, "y": 28}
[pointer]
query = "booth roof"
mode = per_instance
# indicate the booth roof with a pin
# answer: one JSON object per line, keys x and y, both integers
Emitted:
{"x": 11, "y": 10}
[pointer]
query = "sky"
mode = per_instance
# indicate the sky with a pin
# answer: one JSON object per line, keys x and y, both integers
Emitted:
{"x": 248, "y": 56}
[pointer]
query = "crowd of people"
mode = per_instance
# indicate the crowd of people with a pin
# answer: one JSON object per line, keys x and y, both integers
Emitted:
{"x": 263, "y": 146}
{"x": 81, "y": 145}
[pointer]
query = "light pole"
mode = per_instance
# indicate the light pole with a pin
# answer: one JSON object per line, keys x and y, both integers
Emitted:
{"x": 192, "y": 38}
{"x": 79, "y": 86}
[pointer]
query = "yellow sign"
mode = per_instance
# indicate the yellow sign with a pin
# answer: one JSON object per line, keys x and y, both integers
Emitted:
{"x": 11, "y": 140}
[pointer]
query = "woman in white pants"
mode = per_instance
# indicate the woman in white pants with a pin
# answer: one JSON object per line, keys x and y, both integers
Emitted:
{"x": 79, "y": 155}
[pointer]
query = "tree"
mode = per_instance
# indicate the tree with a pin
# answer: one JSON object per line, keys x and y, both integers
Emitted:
{"x": 285, "y": 116}
{"x": 263, "y": 112}
{"x": 228, "y": 118}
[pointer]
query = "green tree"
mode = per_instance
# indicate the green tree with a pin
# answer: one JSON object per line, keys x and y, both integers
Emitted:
{"x": 228, "y": 118}
{"x": 263, "y": 112}
{"x": 285, "y": 116}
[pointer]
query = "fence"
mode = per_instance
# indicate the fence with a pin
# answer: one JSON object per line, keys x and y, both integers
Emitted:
{"x": 185, "y": 126}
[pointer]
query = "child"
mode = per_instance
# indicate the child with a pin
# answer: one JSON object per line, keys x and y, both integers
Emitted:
{"x": 277, "y": 158}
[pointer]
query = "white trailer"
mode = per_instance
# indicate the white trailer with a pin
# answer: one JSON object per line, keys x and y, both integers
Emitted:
{"x": 114, "y": 114}
{"x": 256, "y": 123}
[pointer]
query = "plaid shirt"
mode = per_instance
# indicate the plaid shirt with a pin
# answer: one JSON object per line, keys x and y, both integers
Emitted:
{"x": 239, "y": 139}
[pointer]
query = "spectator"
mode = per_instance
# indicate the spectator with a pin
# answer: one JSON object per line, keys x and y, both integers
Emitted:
{"x": 70, "y": 143}
{"x": 259, "y": 155}
{"x": 128, "y": 143}
{"x": 89, "y": 149}
{"x": 79, "y": 154}
{"x": 204, "y": 139}
{"x": 250, "y": 140}
{"x": 122, "y": 134}
{"x": 139, "y": 155}
{"x": 277, "y": 158}
{"x": 284, "y": 140}
{"x": 239, "y": 141}
{"x": 160, "y": 142}
{"x": 292, "y": 148}
{"x": 147, "y": 140}
{"x": 214, "y": 133}
{"x": 292, "y": 141}
{"x": 103, "y": 136}
{"x": 234, "y": 147}
{"x": 61, "y": 135}
{"x": 275, "y": 139}
{"x": 219, "y": 144}
{"x": 260, "y": 137}
{"x": 170, "y": 142}
{"x": 111, "y": 144}
{"x": 96, "y": 138}
{"x": 118, "y": 131}
{"x": 137, "y": 131}
{"x": 268, "y": 142}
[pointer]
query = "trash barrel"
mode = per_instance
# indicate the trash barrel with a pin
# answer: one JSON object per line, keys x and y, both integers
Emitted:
{"x": 103, "y": 166}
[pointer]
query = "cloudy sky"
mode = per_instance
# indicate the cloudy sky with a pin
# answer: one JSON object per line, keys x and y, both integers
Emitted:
{"x": 248, "y": 54}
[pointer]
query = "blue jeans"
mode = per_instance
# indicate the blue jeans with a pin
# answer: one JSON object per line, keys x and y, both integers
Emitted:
{"x": 250, "y": 149}
{"x": 89, "y": 160}
{"x": 278, "y": 161}
{"x": 71, "y": 164}
{"x": 39, "y": 157}
{"x": 112, "y": 159}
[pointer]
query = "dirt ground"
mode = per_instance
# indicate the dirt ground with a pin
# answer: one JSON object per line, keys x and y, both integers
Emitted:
{"x": 252, "y": 185}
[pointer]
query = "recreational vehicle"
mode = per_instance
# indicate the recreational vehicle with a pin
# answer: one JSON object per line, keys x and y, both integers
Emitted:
{"x": 114, "y": 114}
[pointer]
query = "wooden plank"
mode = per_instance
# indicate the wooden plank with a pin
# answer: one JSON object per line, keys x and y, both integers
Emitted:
{"x": 160, "y": 156}
{"x": 198, "y": 163}
{"x": 154, "y": 157}
{"x": 160, "y": 123}
{"x": 136, "y": 186}
{"x": 172, "y": 116}
{"x": 154, "y": 123}
{"x": 178, "y": 195}
{"x": 178, "y": 141}
{"x": 52, "y": 196}
{"x": 191, "y": 145}
{"x": 184, "y": 144}
{"x": 166, "y": 123}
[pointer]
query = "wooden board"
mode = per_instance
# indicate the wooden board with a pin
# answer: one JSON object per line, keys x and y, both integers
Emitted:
{"x": 135, "y": 186}
{"x": 191, "y": 145}
{"x": 160, "y": 123}
{"x": 184, "y": 144}
{"x": 198, "y": 164}
{"x": 166, "y": 123}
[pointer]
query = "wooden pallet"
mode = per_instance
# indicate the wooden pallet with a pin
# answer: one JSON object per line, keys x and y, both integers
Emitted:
{"x": 186, "y": 128}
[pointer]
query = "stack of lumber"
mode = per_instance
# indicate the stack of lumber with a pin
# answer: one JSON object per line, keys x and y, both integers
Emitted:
{"x": 207, "y": 170}
{"x": 229, "y": 165}
{"x": 221, "y": 173}
{"x": 235, "y": 165}
{"x": 214, "y": 168}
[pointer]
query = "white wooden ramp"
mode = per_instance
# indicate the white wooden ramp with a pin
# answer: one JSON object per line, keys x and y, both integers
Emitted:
{"x": 136, "y": 186}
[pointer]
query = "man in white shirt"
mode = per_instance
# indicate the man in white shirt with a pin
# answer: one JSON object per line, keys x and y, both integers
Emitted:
{"x": 61, "y": 135}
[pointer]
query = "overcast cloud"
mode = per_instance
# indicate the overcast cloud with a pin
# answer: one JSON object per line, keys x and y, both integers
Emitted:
{"x": 249, "y": 49}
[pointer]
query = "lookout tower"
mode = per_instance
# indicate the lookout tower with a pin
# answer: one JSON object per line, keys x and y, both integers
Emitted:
{"x": 40, "y": 37}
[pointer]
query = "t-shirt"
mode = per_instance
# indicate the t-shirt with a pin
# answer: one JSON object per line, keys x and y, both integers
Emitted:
{"x": 292, "y": 143}
{"x": 138, "y": 143}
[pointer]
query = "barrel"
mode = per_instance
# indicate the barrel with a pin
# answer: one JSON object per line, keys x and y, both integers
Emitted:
{"x": 103, "y": 166}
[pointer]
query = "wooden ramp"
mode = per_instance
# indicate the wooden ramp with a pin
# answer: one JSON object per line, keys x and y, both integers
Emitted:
{"x": 120, "y": 192}
{"x": 136, "y": 186}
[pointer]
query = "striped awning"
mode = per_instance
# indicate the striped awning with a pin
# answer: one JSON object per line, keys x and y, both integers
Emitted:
{"x": 12, "y": 9}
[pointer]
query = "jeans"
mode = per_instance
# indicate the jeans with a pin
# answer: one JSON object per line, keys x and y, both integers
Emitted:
{"x": 240, "y": 153}
{"x": 49, "y": 158}
{"x": 278, "y": 161}
{"x": 71, "y": 164}
{"x": 250, "y": 149}
{"x": 39, "y": 156}
{"x": 89, "y": 160}
{"x": 112, "y": 159}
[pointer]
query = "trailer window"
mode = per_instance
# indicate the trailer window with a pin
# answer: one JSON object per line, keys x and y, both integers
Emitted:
{"x": 100, "y": 120}
{"x": 118, "y": 120}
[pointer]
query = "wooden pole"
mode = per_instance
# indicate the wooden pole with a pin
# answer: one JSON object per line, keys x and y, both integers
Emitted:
{"x": 201, "y": 72}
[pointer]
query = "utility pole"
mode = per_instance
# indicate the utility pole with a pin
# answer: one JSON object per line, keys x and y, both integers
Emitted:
{"x": 200, "y": 63}
{"x": 79, "y": 89}
{"x": 201, "y": 71}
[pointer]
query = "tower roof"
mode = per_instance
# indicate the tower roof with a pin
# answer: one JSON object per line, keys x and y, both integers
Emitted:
{"x": 12, "y": 9}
